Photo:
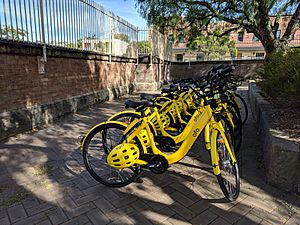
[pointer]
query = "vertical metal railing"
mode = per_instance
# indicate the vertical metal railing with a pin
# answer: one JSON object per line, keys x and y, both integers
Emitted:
{"x": 151, "y": 42}
{"x": 78, "y": 24}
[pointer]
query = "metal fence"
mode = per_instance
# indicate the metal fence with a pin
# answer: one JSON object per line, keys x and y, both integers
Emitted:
{"x": 78, "y": 24}
{"x": 151, "y": 41}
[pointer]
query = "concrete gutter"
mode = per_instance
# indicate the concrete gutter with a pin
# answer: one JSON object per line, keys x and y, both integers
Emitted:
{"x": 281, "y": 156}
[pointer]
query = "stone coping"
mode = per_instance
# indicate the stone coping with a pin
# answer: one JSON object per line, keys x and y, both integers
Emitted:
{"x": 281, "y": 156}
{"x": 39, "y": 116}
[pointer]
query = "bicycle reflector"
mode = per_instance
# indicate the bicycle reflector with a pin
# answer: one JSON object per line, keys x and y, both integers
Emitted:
{"x": 123, "y": 155}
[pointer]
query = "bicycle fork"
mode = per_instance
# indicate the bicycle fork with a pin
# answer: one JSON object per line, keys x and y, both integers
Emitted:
{"x": 210, "y": 135}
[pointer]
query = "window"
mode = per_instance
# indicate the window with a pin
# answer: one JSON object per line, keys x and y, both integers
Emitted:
{"x": 260, "y": 55}
{"x": 240, "y": 36}
{"x": 255, "y": 39}
{"x": 179, "y": 57}
{"x": 240, "y": 55}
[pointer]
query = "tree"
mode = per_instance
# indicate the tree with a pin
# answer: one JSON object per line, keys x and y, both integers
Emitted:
{"x": 13, "y": 33}
{"x": 144, "y": 46}
{"x": 260, "y": 17}
{"x": 122, "y": 37}
{"x": 213, "y": 47}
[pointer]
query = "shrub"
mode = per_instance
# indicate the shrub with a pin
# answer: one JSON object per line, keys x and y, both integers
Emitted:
{"x": 281, "y": 73}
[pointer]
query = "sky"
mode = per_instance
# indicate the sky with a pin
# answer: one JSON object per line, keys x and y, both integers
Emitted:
{"x": 125, "y": 9}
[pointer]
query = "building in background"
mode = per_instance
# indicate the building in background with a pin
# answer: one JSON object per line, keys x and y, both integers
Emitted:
{"x": 247, "y": 45}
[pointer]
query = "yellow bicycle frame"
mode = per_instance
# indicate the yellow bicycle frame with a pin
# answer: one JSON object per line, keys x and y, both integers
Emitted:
{"x": 201, "y": 120}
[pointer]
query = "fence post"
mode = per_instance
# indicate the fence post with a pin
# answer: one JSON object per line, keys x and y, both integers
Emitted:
{"x": 137, "y": 46}
{"x": 43, "y": 59}
{"x": 110, "y": 38}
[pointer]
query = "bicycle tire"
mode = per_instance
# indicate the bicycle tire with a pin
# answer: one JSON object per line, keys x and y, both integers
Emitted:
{"x": 230, "y": 192}
{"x": 238, "y": 134}
{"x": 132, "y": 173}
{"x": 244, "y": 115}
{"x": 122, "y": 116}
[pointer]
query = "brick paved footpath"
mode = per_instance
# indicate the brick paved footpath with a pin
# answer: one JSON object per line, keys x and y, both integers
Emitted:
{"x": 43, "y": 181}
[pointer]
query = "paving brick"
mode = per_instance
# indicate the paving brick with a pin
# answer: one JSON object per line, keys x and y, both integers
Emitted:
{"x": 87, "y": 198}
{"x": 16, "y": 213}
{"x": 116, "y": 213}
{"x": 204, "y": 218}
{"x": 220, "y": 221}
{"x": 80, "y": 220}
{"x": 3, "y": 213}
{"x": 159, "y": 216}
{"x": 181, "y": 188}
{"x": 58, "y": 217}
{"x": 81, "y": 183}
{"x": 226, "y": 214}
{"x": 120, "y": 202}
{"x": 40, "y": 208}
{"x": 295, "y": 219}
{"x": 32, "y": 220}
{"x": 67, "y": 203}
{"x": 155, "y": 205}
{"x": 200, "y": 206}
{"x": 140, "y": 205}
{"x": 79, "y": 210}
{"x": 240, "y": 209}
{"x": 264, "y": 222}
{"x": 97, "y": 217}
{"x": 109, "y": 194}
{"x": 177, "y": 220}
{"x": 104, "y": 205}
{"x": 122, "y": 220}
{"x": 4, "y": 221}
{"x": 179, "y": 197}
{"x": 182, "y": 211}
{"x": 45, "y": 222}
{"x": 168, "y": 189}
{"x": 30, "y": 202}
{"x": 139, "y": 218}
{"x": 75, "y": 193}
{"x": 249, "y": 219}
{"x": 268, "y": 217}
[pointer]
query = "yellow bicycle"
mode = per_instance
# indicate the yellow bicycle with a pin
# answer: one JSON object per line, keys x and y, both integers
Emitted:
{"x": 115, "y": 153}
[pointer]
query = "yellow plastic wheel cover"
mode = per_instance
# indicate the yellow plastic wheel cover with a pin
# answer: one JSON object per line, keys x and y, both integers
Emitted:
{"x": 123, "y": 155}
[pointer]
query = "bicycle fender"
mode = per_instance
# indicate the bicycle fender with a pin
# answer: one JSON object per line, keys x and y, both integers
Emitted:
{"x": 123, "y": 112}
{"x": 96, "y": 126}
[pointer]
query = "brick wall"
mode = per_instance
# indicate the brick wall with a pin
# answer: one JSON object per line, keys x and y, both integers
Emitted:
{"x": 244, "y": 68}
{"x": 72, "y": 80}
{"x": 22, "y": 86}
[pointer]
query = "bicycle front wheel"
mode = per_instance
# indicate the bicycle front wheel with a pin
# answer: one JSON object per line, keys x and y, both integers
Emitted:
{"x": 96, "y": 147}
{"x": 228, "y": 179}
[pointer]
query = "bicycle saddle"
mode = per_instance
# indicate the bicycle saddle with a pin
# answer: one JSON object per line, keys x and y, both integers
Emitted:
{"x": 135, "y": 104}
{"x": 149, "y": 97}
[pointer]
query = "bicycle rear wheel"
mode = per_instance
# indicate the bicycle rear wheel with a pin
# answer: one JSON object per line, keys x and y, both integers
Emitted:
{"x": 237, "y": 130}
{"x": 243, "y": 108}
{"x": 97, "y": 145}
{"x": 228, "y": 179}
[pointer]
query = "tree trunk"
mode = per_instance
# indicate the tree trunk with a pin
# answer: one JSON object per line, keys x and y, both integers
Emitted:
{"x": 273, "y": 45}
{"x": 266, "y": 35}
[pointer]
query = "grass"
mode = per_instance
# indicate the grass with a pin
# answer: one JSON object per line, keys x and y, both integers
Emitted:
{"x": 42, "y": 170}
